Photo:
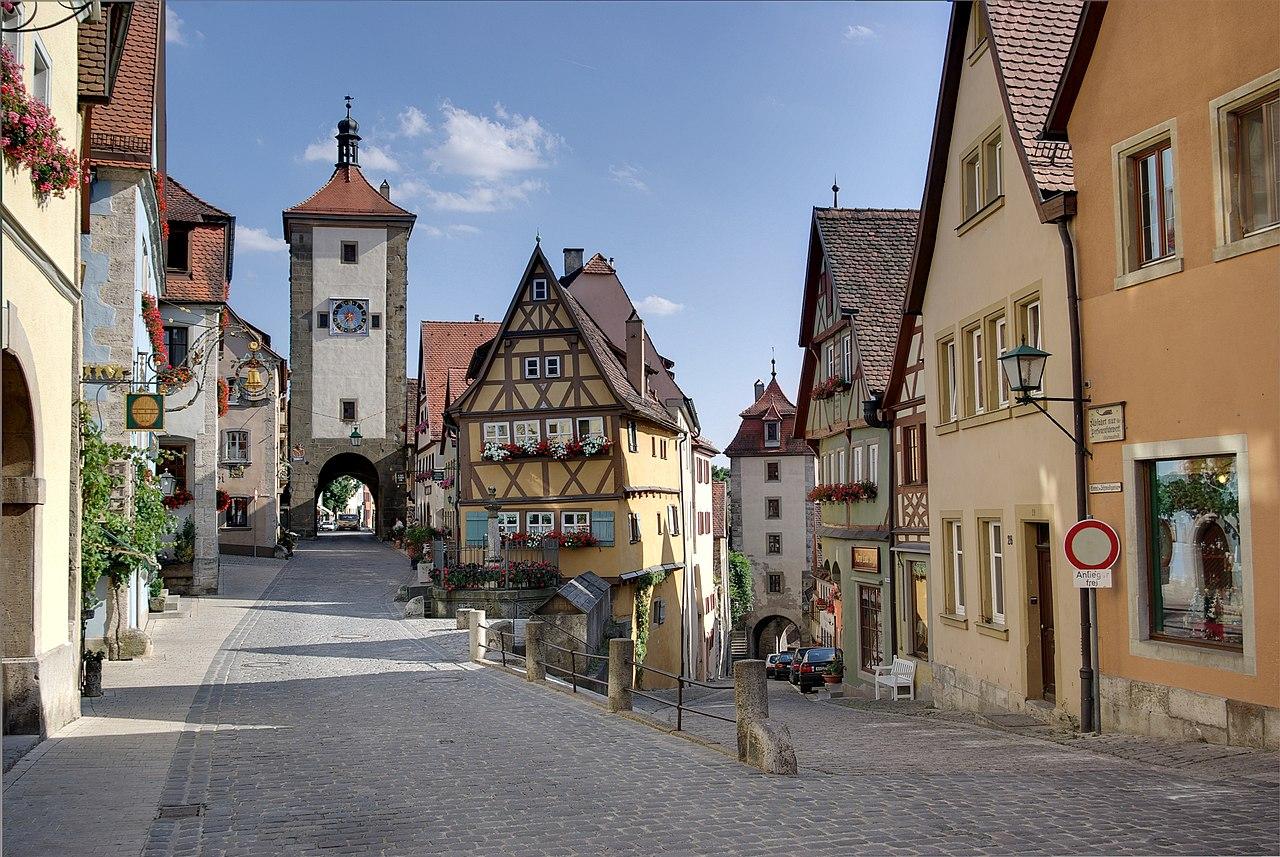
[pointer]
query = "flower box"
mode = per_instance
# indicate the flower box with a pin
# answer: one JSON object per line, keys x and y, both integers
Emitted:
{"x": 830, "y": 387}
{"x": 554, "y": 449}
{"x": 844, "y": 492}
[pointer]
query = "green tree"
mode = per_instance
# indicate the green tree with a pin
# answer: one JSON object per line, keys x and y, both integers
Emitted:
{"x": 338, "y": 492}
{"x": 719, "y": 474}
{"x": 740, "y": 588}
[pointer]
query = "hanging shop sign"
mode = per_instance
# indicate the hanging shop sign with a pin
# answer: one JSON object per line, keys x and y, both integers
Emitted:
{"x": 102, "y": 372}
{"x": 1106, "y": 422}
{"x": 253, "y": 376}
{"x": 143, "y": 412}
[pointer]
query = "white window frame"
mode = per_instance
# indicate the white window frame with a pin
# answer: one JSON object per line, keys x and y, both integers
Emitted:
{"x": 673, "y": 520}
{"x": 846, "y": 357}
{"x": 772, "y": 433}
{"x": 873, "y": 463}
{"x": 526, "y": 430}
{"x": 859, "y": 474}
{"x": 532, "y": 368}
{"x": 1001, "y": 342}
{"x": 508, "y": 523}
{"x": 953, "y": 407}
{"x": 242, "y": 451}
{"x": 552, "y": 367}
{"x": 575, "y": 522}
{"x": 539, "y": 290}
{"x": 955, "y": 550}
{"x": 831, "y": 359}
{"x": 540, "y": 522}
{"x": 12, "y": 38}
{"x": 590, "y": 423}
{"x": 977, "y": 368}
{"x": 41, "y": 79}
{"x": 560, "y": 428}
{"x": 995, "y": 569}
{"x": 497, "y": 432}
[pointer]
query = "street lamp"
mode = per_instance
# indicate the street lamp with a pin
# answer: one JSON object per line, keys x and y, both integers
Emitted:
{"x": 1024, "y": 369}
{"x": 168, "y": 484}
{"x": 356, "y": 437}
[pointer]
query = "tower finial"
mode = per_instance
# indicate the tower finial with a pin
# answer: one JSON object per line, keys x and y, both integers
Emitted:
{"x": 835, "y": 193}
{"x": 348, "y": 138}
{"x": 537, "y": 237}
{"x": 773, "y": 363}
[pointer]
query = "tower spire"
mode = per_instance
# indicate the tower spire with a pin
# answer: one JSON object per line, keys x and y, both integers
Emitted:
{"x": 348, "y": 139}
{"x": 835, "y": 193}
{"x": 773, "y": 365}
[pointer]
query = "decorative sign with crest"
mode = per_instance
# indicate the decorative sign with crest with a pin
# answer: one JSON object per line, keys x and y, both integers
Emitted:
{"x": 253, "y": 375}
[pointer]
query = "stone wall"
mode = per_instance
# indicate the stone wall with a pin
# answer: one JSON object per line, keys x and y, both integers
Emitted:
{"x": 496, "y": 603}
{"x": 956, "y": 690}
{"x": 1184, "y": 715}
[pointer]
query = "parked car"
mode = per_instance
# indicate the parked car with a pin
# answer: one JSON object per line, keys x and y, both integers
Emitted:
{"x": 813, "y": 666}
{"x": 327, "y": 526}
{"x": 348, "y": 521}
{"x": 797, "y": 655}
{"x": 777, "y": 665}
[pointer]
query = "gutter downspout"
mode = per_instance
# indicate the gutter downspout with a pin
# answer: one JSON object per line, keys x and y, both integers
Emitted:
{"x": 891, "y": 560}
{"x": 1088, "y": 597}
{"x": 686, "y": 622}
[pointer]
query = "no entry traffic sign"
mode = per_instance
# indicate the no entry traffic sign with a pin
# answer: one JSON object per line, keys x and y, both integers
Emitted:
{"x": 1092, "y": 548}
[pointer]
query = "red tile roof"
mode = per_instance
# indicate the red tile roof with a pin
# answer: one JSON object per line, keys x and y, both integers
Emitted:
{"x": 447, "y": 347}
{"x": 1032, "y": 39}
{"x": 122, "y": 128}
{"x": 869, "y": 251}
{"x": 719, "y": 502}
{"x": 349, "y": 192}
{"x": 598, "y": 264}
{"x": 183, "y": 206}
{"x": 772, "y": 397}
{"x": 772, "y": 404}
{"x": 206, "y": 281}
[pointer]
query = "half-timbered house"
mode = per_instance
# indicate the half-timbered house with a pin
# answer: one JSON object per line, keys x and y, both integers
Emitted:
{"x": 854, "y": 285}
{"x": 563, "y": 430}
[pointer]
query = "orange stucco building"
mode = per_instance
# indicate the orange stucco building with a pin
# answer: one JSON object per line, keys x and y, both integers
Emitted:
{"x": 1172, "y": 113}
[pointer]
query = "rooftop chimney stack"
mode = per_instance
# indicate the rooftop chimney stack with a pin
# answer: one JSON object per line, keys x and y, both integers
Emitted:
{"x": 572, "y": 260}
{"x": 759, "y": 388}
{"x": 385, "y": 189}
{"x": 636, "y": 372}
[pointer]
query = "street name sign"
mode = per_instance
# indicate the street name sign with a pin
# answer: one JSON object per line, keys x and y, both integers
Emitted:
{"x": 1092, "y": 548}
{"x": 1106, "y": 422}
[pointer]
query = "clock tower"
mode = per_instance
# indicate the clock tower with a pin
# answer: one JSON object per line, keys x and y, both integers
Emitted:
{"x": 348, "y": 276}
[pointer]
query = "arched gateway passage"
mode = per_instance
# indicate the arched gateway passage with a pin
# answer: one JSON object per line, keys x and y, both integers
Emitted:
{"x": 354, "y": 465}
{"x": 775, "y": 633}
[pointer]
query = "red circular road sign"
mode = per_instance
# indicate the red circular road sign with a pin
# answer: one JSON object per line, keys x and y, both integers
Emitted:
{"x": 1092, "y": 545}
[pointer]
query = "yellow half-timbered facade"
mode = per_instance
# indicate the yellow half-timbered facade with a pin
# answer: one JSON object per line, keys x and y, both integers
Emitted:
{"x": 561, "y": 429}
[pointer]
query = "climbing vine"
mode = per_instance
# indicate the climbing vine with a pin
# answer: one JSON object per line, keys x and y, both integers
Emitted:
{"x": 740, "y": 590}
{"x": 645, "y": 585}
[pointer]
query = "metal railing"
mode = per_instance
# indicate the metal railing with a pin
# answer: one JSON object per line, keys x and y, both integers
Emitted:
{"x": 679, "y": 705}
{"x": 502, "y": 642}
{"x": 572, "y": 672}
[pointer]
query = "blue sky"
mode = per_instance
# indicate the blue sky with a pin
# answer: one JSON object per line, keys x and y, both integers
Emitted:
{"x": 686, "y": 141}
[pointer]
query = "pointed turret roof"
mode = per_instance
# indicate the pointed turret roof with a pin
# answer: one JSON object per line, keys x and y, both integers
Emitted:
{"x": 348, "y": 192}
{"x": 771, "y": 405}
{"x": 771, "y": 399}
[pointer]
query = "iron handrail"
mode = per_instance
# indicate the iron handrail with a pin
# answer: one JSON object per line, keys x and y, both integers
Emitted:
{"x": 575, "y": 651}
{"x": 572, "y": 672}
{"x": 502, "y": 644}
{"x": 679, "y": 705}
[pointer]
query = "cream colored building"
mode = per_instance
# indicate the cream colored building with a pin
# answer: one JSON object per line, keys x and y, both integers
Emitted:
{"x": 989, "y": 272}
{"x": 39, "y": 375}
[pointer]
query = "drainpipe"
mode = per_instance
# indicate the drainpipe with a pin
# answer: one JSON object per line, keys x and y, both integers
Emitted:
{"x": 1088, "y": 597}
{"x": 892, "y": 560}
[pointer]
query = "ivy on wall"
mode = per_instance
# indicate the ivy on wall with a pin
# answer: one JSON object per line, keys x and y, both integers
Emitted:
{"x": 645, "y": 585}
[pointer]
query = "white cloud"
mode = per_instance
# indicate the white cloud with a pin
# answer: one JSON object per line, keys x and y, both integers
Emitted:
{"x": 658, "y": 305}
{"x": 482, "y": 197}
{"x": 174, "y": 29}
{"x": 491, "y": 148}
{"x": 463, "y": 229}
{"x": 859, "y": 33}
{"x": 371, "y": 157}
{"x": 453, "y": 230}
{"x": 413, "y": 123}
{"x": 628, "y": 176}
{"x": 251, "y": 238}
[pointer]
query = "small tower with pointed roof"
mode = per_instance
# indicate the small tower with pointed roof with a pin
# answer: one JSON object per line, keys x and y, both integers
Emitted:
{"x": 771, "y": 472}
{"x": 348, "y": 274}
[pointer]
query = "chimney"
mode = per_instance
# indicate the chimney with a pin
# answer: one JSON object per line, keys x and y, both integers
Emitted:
{"x": 636, "y": 373}
{"x": 385, "y": 189}
{"x": 572, "y": 260}
{"x": 759, "y": 388}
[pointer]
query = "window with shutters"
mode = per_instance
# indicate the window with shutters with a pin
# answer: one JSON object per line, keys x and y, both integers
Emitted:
{"x": 633, "y": 522}
{"x": 602, "y": 527}
{"x": 540, "y": 522}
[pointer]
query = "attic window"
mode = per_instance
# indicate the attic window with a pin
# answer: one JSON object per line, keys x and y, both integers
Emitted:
{"x": 772, "y": 433}
{"x": 539, "y": 290}
{"x": 178, "y": 249}
{"x": 978, "y": 28}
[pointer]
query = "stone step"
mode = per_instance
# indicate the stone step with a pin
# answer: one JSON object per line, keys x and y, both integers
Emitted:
{"x": 171, "y": 603}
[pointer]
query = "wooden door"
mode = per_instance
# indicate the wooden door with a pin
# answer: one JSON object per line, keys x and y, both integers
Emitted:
{"x": 1048, "y": 642}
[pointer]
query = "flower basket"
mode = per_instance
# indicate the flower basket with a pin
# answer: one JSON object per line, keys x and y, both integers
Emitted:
{"x": 178, "y": 499}
{"x": 830, "y": 387}
{"x": 30, "y": 136}
{"x": 547, "y": 448}
{"x": 223, "y": 501}
{"x": 844, "y": 492}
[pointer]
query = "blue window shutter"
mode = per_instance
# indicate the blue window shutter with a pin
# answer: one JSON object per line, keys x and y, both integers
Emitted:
{"x": 477, "y": 525}
{"x": 602, "y": 527}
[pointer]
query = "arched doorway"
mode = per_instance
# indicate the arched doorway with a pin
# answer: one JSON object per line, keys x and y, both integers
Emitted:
{"x": 774, "y": 633}
{"x": 354, "y": 466}
{"x": 18, "y": 559}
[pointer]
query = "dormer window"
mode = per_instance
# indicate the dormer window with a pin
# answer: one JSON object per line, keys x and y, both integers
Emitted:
{"x": 772, "y": 433}
{"x": 539, "y": 290}
{"x": 177, "y": 249}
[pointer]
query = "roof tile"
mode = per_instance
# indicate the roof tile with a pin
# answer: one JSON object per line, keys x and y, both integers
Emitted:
{"x": 447, "y": 347}
{"x": 124, "y": 125}
{"x": 348, "y": 192}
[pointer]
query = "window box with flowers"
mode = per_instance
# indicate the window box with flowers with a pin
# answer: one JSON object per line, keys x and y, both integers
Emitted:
{"x": 30, "y": 136}
{"x": 830, "y": 387}
{"x": 507, "y": 575}
{"x": 844, "y": 492}
{"x": 558, "y": 450}
{"x": 178, "y": 499}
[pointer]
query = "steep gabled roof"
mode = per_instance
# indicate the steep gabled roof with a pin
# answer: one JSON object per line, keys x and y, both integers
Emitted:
{"x": 210, "y": 247}
{"x": 1082, "y": 45}
{"x": 348, "y": 193}
{"x": 183, "y": 206}
{"x": 868, "y": 251}
{"x": 771, "y": 399}
{"x": 772, "y": 404}
{"x": 447, "y": 348}
{"x": 1030, "y": 45}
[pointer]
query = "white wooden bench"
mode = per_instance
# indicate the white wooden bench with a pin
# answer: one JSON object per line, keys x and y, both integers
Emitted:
{"x": 901, "y": 674}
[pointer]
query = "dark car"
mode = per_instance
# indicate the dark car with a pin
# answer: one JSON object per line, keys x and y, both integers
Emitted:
{"x": 777, "y": 665}
{"x": 797, "y": 655}
{"x": 813, "y": 666}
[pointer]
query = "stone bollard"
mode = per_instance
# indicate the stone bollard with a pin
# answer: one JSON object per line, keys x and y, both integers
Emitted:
{"x": 759, "y": 744}
{"x": 534, "y": 652}
{"x": 476, "y": 620}
{"x": 463, "y": 615}
{"x": 622, "y": 675}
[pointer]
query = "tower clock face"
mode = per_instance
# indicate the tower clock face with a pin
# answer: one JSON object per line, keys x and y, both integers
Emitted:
{"x": 349, "y": 316}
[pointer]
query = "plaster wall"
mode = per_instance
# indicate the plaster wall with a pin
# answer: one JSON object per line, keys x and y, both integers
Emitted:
{"x": 1010, "y": 463}
{"x": 1193, "y": 355}
{"x": 349, "y": 367}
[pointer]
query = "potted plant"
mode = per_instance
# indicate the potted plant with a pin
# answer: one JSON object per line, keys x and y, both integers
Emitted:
{"x": 834, "y": 673}
{"x": 157, "y": 595}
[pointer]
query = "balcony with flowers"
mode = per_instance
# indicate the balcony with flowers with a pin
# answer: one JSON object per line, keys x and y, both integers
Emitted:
{"x": 553, "y": 448}
{"x": 844, "y": 492}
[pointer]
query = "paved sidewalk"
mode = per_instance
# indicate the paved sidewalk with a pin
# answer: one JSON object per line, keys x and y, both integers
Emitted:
{"x": 92, "y": 788}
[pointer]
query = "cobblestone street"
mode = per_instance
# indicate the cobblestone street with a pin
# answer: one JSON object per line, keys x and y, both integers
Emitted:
{"x": 325, "y": 724}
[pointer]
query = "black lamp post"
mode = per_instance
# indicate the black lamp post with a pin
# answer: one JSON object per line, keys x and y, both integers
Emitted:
{"x": 1023, "y": 369}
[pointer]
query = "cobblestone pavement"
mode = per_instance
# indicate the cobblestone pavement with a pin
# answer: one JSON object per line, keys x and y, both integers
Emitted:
{"x": 324, "y": 724}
